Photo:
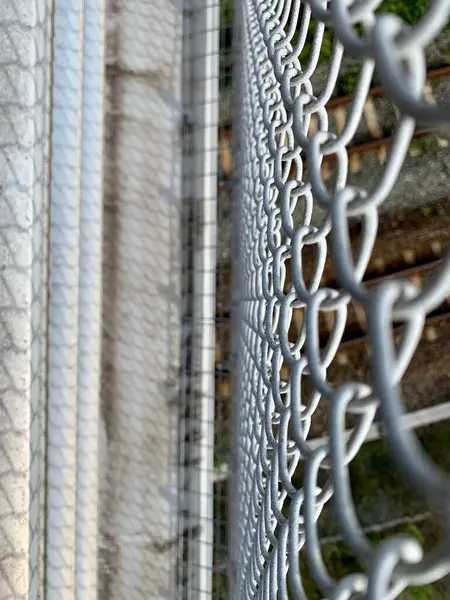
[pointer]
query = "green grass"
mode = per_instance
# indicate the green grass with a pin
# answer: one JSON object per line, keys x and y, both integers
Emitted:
{"x": 340, "y": 562}
{"x": 373, "y": 475}
{"x": 409, "y": 10}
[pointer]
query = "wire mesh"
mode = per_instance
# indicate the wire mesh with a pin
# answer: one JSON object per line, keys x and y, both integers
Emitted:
{"x": 325, "y": 345}
{"x": 198, "y": 497}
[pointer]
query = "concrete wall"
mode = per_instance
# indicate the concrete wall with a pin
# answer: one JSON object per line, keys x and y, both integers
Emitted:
{"x": 138, "y": 437}
{"x": 141, "y": 299}
{"x": 24, "y": 81}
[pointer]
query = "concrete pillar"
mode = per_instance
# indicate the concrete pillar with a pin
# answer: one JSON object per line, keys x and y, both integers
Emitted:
{"x": 141, "y": 299}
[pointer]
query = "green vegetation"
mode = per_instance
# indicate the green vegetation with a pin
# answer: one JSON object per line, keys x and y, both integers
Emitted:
{"x": 375, "y": 483}
{"x": 373, "y": 472}
{"x": 347, "y": 82}
{"x": 409, "y": 10}
{"x": 221, "y": 446}
{"x": 226, "y": 42}
{"x": 226, "y": 13}
{"x": 340, "y": 562}
{"x": 432, "y": 210}
{"x": 417, "y": 147}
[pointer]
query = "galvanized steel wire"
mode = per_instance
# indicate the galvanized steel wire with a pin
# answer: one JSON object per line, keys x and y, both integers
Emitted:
{"x": 274, "y": 417}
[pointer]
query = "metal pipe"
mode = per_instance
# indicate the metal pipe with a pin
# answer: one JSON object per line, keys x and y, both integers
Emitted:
{"x": 422, "y": 417}
{"x": 205, "y": 106}
{"x": 236, "y": 298}
{"x": 89, "y": 334}
{"x": 412, "y": 420}
{"x": 66, "y": 128}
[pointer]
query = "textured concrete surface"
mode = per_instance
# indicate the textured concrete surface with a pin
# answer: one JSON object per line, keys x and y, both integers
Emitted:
{"x": 23, "y": 90}
{"x": 141, "y": 299}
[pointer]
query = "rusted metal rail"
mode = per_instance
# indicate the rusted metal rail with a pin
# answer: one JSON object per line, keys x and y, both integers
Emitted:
{"x": 377, "y": 92}
{"x": 377, "y": 143}
{"x": 355, "y": 333}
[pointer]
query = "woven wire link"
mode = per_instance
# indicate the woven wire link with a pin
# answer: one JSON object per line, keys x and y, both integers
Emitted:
{"x": 274, "y": 414}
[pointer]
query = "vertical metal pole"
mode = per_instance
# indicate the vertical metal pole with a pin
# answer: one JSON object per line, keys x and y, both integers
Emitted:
{"x": 236, "y": 287}
{"x": 66, "y": 130}
{"x": 205, "y": 104}
{"x": 89, "y": 334}
{"x": 39, "y": 323}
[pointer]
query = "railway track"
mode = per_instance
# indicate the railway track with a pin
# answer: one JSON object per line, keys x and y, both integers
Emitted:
{"x": 425, "y": 384}
{"x": 406, "y": 240}
{"x": 409, "y": 245}
{"x": 417, "y": 264}
{"x": 377, "y": 140}
{"x": 377, "y": 92}
{"x": 355, "y": 334}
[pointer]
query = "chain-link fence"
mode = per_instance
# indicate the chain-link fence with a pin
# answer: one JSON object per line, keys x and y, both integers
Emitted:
{"x": 308, "y": 230}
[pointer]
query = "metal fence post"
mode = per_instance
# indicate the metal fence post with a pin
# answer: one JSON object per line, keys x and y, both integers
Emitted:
{"x": 201, "y": 103}
{"x": 204, "y": 112}
{"x": 66, "y": 133}
{"x": 90, "y": 317}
